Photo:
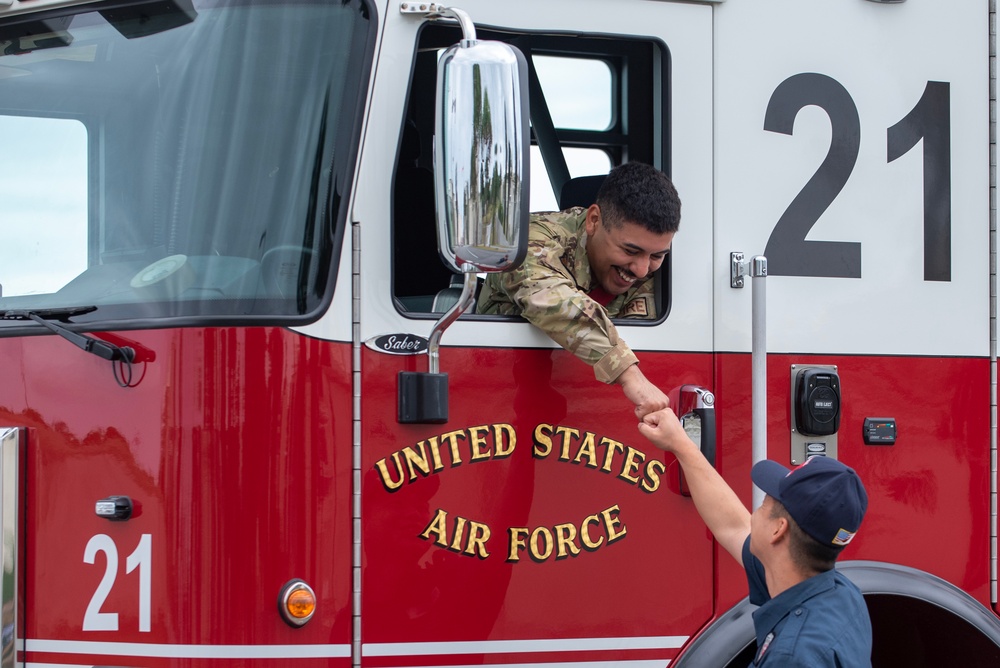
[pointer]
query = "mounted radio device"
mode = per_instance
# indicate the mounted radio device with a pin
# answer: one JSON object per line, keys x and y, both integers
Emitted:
{"x": 815, "y": 411}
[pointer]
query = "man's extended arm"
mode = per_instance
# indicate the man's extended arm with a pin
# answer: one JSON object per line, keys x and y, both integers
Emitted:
{"x": 545, "y": 292}
{"x": 554, "y": 304}
{"x": 723, "y": 512}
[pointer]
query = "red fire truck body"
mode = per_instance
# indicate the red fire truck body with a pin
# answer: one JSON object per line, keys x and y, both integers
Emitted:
{"x": 232, "y": 205}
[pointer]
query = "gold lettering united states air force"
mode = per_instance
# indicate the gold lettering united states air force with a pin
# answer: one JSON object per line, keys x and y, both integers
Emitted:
{"x": 493, "y": 442}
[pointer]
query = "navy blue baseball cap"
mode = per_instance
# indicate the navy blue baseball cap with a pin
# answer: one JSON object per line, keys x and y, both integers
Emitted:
{"x": 824, "y": 497}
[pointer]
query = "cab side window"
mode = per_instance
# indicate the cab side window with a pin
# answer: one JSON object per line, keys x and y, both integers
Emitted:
{"x": 562, "y": 78}
{"x": 595, "y": 102}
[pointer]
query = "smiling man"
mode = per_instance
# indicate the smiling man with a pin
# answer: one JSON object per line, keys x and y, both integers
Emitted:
{"x": 587, "y": 265}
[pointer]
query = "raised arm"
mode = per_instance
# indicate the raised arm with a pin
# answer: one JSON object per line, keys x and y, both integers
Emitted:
{"x": 546, "y": 290}
{"x": 723, "y": 512}
{"x": 551, "y": 300}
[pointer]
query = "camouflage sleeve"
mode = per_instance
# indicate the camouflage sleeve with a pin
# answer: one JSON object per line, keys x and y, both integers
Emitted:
{"x": 545, "y": 293}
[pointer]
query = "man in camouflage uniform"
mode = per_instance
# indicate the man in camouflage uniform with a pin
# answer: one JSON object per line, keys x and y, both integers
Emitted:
{"x": 587, "y": 265}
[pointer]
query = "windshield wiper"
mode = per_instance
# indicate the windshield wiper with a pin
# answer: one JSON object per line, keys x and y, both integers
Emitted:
{"x": 61, "y": 312}
{"x": 90, "y": 344}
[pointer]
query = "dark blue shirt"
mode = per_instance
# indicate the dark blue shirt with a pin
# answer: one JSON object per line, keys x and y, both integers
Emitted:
{"x": 820, "y": 622}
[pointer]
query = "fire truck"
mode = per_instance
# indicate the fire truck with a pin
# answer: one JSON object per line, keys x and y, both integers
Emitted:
{"x": 249, "y": 416}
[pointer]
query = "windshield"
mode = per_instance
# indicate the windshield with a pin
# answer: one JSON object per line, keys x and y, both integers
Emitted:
{"x": 178, "y": 159}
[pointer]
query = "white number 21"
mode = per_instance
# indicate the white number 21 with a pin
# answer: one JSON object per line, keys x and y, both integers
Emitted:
{"x": 141, "y": 558}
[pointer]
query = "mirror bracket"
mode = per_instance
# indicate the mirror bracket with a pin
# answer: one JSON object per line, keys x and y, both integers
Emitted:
{"x": 433, "y": 10}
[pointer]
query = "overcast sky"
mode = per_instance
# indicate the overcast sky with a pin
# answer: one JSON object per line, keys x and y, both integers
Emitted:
{"x": 43, "y": 204}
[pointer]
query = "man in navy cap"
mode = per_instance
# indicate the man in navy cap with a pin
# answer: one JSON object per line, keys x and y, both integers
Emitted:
{"x": 810, "y": 615}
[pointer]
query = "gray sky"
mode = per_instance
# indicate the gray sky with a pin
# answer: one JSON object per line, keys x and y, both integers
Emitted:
{"x": 43, "y": 204}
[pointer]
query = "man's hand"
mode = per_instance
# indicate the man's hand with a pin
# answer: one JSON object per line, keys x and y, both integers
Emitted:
{"x": 664, "y": 430}
{"x": 646, "y": 397}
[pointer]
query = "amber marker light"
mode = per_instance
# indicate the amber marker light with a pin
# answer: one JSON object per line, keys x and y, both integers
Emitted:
{"x": 296, "y": 602}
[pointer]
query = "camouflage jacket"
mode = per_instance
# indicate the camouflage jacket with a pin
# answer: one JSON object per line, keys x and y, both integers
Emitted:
{"x": 550, "y": 290}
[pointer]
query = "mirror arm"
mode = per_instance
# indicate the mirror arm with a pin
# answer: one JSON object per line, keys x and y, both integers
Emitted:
{"x": 463, "y": 18}
{"x": 435, "y": 11}
{"x": 464, "y": 301}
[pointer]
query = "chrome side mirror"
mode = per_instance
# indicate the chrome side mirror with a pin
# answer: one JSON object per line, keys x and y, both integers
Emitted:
{"x": 481, "y": 159}
{"x": 481, "y": 155}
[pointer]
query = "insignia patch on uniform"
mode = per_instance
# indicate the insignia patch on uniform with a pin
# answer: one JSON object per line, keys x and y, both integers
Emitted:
{"x": 843, "y": 537}
{"x": 763, "y": 648}
{"x": 636, "y": 307}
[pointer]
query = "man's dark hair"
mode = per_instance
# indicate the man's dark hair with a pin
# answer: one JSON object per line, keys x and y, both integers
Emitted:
{"x": 810, "y": 554}
{"x": 641, "y": 194}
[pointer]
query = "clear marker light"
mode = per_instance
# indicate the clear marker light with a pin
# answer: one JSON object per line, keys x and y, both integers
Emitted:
{"x": 296, "y": 602}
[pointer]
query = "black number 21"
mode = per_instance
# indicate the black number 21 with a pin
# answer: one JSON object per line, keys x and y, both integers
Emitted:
{"x": 788, "y": 252}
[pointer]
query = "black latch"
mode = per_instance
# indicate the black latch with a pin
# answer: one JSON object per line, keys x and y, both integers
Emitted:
{"x": 115, "y": 508}
{"x": 423, "y": 398}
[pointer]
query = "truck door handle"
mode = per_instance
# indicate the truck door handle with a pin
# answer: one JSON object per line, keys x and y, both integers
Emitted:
{"x": 695, "y": 408}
